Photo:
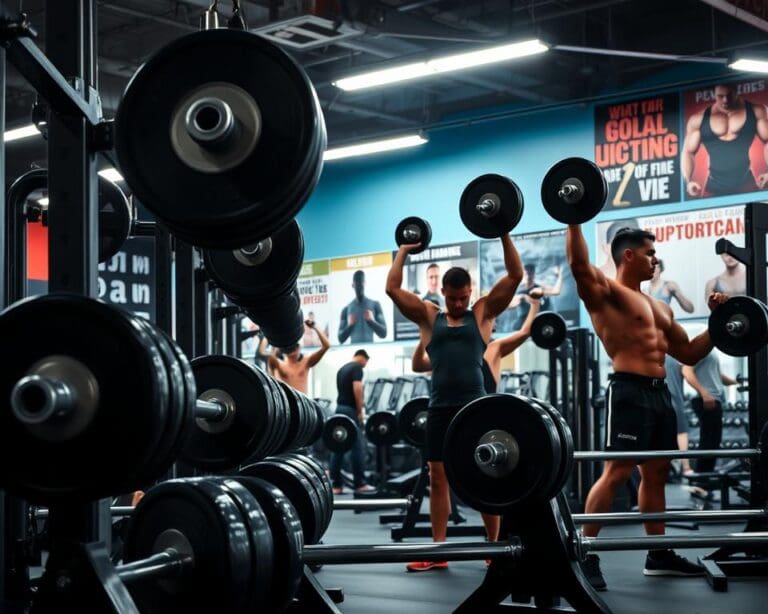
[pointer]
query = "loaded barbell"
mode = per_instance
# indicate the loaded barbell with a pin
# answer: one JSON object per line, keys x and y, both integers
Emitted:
{"x": 340, "y": 431}
{"x": 491, "y": 206}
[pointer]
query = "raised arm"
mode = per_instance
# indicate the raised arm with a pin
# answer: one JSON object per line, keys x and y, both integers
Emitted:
{"x": 685, "y": 303}
{"x": 376, "y": 321}
{"x": 410, "y": 305}
{"x": 591, "y": 283}
{"x": 558, "y": 287}
{"x": 503, "y": 290}
{"x": 315, "y": 356}
{"x": 510, "y": 343}
{"x": 762, "y": 133}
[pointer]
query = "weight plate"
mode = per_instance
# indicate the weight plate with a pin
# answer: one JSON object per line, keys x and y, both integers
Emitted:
{"x": 260, "y": 194}
{"x": 566, "y": 441}
{"x": 98, "y": 449}
{"x": 504, "y": 199}
{"x": 281, "y": 420}
{"x": 413, "y": 421}
{"x": 325, "y": 511}
{"x": 246, "y": 430}
{"x": 739, "y": 327}
{"x": 381, "y": 428}
{"x": 318, "y": 432}
{"x": 339, "y": 433}
{"x": 287, "y": 538}
{"x": 581, "y": 206}
{"x": 530, "y": 434}
{"x": 325, "y": 481}
{"x": 414, "y": 230}
{"x": 548, "y": 330}
{"x": 295, "y": 416}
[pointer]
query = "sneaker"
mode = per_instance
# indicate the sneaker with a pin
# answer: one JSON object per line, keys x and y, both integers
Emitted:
{"x": 669, "y": 563}
{"x": 427, "y": 565}
{"x": 338, "y": 490}
{"x": 591, "y": 569}
{"x": 364, "y": 488}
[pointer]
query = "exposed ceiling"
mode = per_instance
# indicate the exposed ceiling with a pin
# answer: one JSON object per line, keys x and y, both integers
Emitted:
{"x": 384, "y": 33}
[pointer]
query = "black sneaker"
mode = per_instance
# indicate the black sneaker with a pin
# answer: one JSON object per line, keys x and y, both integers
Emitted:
{"x": 669, "y": 563}
{"x": 591, "y": 568}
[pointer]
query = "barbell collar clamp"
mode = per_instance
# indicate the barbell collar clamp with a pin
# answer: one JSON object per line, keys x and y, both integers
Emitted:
{"x": 489, "y": 205}
{"x": 491, "y": 454}
{"x": 210, "y": 123}
{"x": 214, "y": 410}
{"x": 572, "y": 190}
{"x": 36, "y": 399}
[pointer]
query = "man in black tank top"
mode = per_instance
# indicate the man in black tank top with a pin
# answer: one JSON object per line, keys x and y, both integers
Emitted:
{"x": 726, "y": 129}
{"x": 455, "y": 340}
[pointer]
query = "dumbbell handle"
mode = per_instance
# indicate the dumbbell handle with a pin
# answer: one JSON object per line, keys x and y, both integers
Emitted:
{"x": 166, "y": 564}
{"x": 36, "y": 399}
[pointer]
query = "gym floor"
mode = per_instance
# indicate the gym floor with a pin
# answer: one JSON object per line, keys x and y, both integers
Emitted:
{"x": 374, "y": 589}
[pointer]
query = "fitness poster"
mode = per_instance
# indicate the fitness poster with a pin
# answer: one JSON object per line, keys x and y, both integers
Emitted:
{"x": 423, "y": 274}
{"x": 637, "y": 145}
{"x": 545, "y": 266}
{"x": 726, "y": 129}
{"x": 685, "y": 245}
{"x": 361, "y": 311}
{"x": 313, "y": 284}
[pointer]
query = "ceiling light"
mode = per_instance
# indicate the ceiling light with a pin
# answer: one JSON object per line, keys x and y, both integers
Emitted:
{"x": 441, "y": 65}
{"x": 111, "y": 174}
{"x": 20, "y": 133}
{"x": 363, "y": 149}
{"x": 750, "y": 65}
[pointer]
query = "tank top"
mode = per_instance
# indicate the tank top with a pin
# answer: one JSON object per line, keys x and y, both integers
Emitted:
{"x": 456, "y": 354}
{"x": 728, "y": 160}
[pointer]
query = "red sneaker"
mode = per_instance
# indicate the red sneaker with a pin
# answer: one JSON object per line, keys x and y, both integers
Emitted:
{"x": 338, "y": 490}
{"x": 427, "y": 565}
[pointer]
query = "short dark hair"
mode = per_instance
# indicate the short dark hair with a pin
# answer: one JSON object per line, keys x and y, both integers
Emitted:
{"x": 614, "y": 227}
{"x": 433, "y": 265}
{"x": 358, "y": 275}
{"x": 631, "y": 238}
{"x": 456, "y": 278}
{"x": 362, "y": 353}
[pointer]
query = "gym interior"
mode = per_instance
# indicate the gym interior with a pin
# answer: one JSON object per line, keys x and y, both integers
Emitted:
{"x": 390, "y": 305}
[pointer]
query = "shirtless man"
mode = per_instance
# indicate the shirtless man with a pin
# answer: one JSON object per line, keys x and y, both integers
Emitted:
{"x": 637, "y": 332}
{"x": 455, "y": 340}
{"x": 732, "y": 281}
{"x": 726, "y": 129}
{"x": 293, "y": 368}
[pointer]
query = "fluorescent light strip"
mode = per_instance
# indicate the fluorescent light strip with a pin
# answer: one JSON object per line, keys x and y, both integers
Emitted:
{"x": 20, "y": 133}
{"x": 446, "y": 64}
{"x": 750, "y": 65}
{"x": 111, "y": 174}
{"x": 363, "y": 149}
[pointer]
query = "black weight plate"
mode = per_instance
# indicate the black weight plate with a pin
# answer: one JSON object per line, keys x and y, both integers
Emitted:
{"x": 272, "y": 432}
{"x": 566, "y": 441}
{"x": 318, "y": 432}
{"x": 325, "y": 481}
{"x": 107, "y": 454}
{"x": 275, "y": 308}
{"x": 381, "y": 428}
{"x": 232, "y": 442}
{"x": 298, "y": 490}
{"x": 286, "y": 333}
{"x": 548, "y": 330}
{"x": 251, "y": 200}
{"x": 295, "y": 416}
{"x": 538, "y": 442}
{"x": 287, "y": 538}
{"x": 508, "y": 197}
{"x": 410, "y": 430}
{"x": 282, "y": 416}
{"x": 309, "y": 424}
{"x": 325, "y": 512}
{"x": 339, "y": 433}
{"x": 273, "y": 277}
{"x": 594, "y": 194}
{"x": 258, "y": 535}
{"x": 418, "y": 226}
{"x": 749, "y": 315}
{"x": 214, "y": 527}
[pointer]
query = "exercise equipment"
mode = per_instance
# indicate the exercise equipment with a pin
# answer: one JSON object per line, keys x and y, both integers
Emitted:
{"x": 414, "y": 230}
{"x": 491, "y": 206}
{"x": 548, "y": 330}
{"x": 574, "y": 191}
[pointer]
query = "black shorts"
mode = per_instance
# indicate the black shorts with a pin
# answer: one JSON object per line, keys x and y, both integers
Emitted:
{"x": 640, "y": 414}
{"x": 438, "y": 419}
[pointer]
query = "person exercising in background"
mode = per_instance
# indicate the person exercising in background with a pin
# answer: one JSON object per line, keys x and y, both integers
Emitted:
{"x": 666, "y": 290}
{"x": 433, "y": 285}
{"x": 732, "y": 281}
{"x": 362, "y": 317}
{"x": 637, "y": 333}
{"x": 293, "y": 368}
{"x": 726, "y": 129}
{"x": 494, "y": 352}
{"x": 531, "y": 290}
{"x": 674, "y": 371}
{"x": 455, "y": 340}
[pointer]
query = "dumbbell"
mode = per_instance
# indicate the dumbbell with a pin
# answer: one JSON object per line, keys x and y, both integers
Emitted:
{"x": 414, "y": 230}
{"x": 340, "y": 431}
{"x": 548, "y": 330}
{"x": 574, "y": 191}
{"x": 739, "y": 326}
{"x": 491, "y": 206}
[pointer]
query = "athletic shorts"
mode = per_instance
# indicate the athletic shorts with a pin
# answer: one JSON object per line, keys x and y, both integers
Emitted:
{"x": 640, "y": 414}
{"x": 438, "y": 419}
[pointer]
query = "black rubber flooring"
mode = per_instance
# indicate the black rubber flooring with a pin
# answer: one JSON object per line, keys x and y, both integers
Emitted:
{"x": 379, "y": 588}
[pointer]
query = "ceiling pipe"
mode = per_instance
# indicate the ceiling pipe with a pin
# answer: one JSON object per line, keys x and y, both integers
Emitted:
{"x": 738, "y": 13}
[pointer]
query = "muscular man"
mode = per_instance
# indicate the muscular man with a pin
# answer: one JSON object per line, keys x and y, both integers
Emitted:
{"x": 726, "y": 129}
{"x": 362, "y": 317}
{"x": 349, "y": 382}
{"x": 666, "y": 290}
{"x": 608, "y": 267}
{"x": 433, "y": 285}
{"x": 530, "y": 290}
{"x": 494, "y": 352}
{"x": 732, "y": 281}
{"x": 637, "y": 332}
{"x": 293, "y": 368}
{"x": 455, "y": 340}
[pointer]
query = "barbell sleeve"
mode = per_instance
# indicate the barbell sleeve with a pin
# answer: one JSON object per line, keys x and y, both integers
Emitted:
{"x": 166, "y": 564}
{"x": 646, "y": 455}
{"x": 675, "y": 516}
{"x": 403, "y": 553}
{"x": 373, "y": 504}
{"x": 36, "y": 399}
{"x": 658, "y": 542}
{"x": 210, "y": 410}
